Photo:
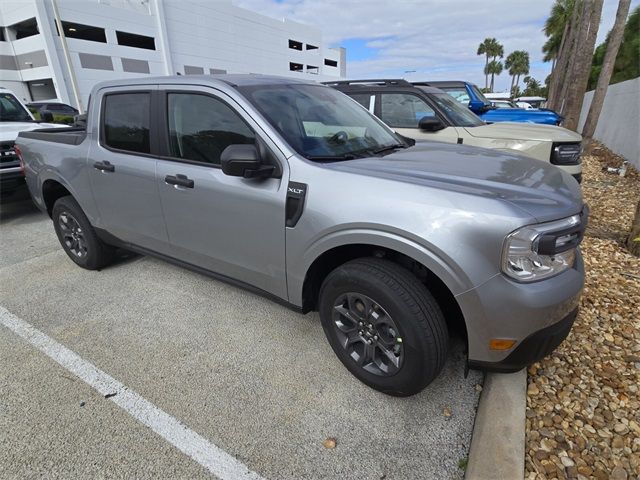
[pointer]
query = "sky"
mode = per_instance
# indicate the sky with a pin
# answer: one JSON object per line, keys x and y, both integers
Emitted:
{"x": 426, "y": 39}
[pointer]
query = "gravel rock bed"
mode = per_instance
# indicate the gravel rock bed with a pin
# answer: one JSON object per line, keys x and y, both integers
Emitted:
{"x": 583, "y": 401}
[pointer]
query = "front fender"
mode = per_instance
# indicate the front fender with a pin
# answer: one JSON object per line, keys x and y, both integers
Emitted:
{"x": 444, "y": 268}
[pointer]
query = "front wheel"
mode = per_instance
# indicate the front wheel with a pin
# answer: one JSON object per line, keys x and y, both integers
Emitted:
{"x": 384, "y": 325}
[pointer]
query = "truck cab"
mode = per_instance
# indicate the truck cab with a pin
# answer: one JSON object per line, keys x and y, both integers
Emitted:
{"x": 469, "y": 94}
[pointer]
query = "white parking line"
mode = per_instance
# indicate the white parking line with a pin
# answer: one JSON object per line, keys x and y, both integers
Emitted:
{"x": 214, "y": 459}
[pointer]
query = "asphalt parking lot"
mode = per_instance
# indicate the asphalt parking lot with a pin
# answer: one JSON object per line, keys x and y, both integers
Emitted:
{"x": 251, "y": 377}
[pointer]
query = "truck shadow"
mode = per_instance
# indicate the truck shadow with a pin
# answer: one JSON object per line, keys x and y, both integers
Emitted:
{"x": 18, "y": 205}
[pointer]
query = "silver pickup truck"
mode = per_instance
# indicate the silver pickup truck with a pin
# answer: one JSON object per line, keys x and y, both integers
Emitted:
{"x": 295, "y": 191}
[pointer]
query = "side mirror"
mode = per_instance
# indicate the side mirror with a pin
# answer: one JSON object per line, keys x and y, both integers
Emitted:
{"x": 430, "y": 124}
{"x": 477, "y": 106}
{"x": 47, "y": 117}
{"x": 244, "y": 161}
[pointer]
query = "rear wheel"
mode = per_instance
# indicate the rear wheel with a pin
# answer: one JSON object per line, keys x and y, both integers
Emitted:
{"x": 384, "y": 325}
{"x": 77, "y": 237}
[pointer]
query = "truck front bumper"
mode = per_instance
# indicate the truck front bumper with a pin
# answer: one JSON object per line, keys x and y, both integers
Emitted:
{"x": 533, "y": 348}
{"x": 537, "y": 316}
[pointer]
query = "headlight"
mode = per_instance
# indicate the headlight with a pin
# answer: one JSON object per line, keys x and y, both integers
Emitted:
{"x": 536, "y": 252}
{"x": 566, "y": 153}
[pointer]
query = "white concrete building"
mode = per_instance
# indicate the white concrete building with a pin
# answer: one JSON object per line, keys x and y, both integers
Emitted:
{"x": 114, "y": 39}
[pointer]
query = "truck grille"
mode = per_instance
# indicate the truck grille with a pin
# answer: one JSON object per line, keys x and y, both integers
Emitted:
{"x": 8, "y": 157}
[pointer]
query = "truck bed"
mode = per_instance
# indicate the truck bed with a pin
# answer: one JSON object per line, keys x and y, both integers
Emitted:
{"x": 69, "y": 136}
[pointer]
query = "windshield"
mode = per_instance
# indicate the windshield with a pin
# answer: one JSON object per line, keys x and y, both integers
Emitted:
{"x": 458, "y": 114}
{"x": 319, "y": 122}
{"x": 11, "y": 110}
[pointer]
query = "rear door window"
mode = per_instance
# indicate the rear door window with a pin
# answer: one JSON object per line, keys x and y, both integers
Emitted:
{"x": 126, "y": 121}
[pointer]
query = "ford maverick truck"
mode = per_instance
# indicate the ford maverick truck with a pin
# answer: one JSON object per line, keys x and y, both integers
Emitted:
{"x": 293, "y": 190}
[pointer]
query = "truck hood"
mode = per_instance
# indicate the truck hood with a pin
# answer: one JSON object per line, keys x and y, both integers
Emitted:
{"x": 524, "y": 131}
{"x": 9, "y": 130}
{"x": 540, "y": 189}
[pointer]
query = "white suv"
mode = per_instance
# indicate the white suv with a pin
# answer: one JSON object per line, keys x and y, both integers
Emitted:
{"x": 427, "y": 113}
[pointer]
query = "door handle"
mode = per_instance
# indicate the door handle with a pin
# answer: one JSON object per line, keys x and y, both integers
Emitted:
{"x": 179, "y": 180}
{"x": 104, "y": 166}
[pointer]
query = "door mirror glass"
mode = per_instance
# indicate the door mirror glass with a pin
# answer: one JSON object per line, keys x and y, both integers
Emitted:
{"x": 244, "y": 161}
{"x": 430, "y": 124}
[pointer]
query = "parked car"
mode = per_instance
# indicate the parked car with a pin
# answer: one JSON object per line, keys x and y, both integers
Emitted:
{"x": 295, "y": 191}
{"x": 50, "y": 111}
{"x": 525, "y": 105}
{"x": 469, "y": 94}
{"x": 503, "y": 104}
{"x": 14, "y": 118}
{"x": 534, "y": 102}
{"x": 427, "y": 113}
{"x": 497, "y": 96}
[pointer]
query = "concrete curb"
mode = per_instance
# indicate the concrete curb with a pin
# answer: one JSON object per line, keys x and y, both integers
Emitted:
{"x": 497, "y": 446}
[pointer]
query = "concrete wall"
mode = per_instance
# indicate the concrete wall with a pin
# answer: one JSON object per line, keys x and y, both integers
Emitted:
{"x": 619, "y": 123}
{"x": 190, "y": 36}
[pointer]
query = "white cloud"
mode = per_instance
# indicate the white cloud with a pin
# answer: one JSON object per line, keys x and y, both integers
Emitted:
{"x": 436, "y": 38}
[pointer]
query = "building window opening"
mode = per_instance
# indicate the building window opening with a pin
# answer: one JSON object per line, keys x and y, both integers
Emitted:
{"x": 330, "y": 63}
{"x": 134, "y": 40}
{"x": 313, "y": 69}
{"x": 295, "y": 45}
{"x": 84, "y": 32}
{"x": 296, "y": 67}
{"x": 311, "y": 47}
{"x": 27, "y": 28}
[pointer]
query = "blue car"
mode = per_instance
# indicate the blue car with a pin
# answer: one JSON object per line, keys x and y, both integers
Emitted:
{"x": 469, "y": 94}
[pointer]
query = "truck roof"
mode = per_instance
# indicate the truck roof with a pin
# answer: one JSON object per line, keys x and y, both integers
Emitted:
{"x": 375, "y": 84}
{"x": 234, "y": 80}
{"x": 444, "y": 83}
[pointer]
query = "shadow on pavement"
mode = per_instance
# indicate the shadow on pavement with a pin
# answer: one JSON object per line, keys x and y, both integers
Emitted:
{"x": 17, "y": 205}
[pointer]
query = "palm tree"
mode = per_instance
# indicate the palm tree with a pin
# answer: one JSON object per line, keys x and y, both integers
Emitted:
{"x": 614, "y": 40}
{"x": 551, "y": 49}
{"x": 493, "y": 68}
{"x": 490, "y": 48}
{"x": 517, "y": 63}
{"x": 533, "y": 86}
{"x": 578, "y": 76}
{"x": 555, "y": 28}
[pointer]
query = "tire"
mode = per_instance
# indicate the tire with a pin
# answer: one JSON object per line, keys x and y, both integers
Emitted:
{"x": 395, "y": 302}
{"x": 77, "y": 237}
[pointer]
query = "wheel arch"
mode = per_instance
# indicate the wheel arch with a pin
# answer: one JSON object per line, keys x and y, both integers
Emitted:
{"x": 52, "y": 190}
{"x": 333, "y": 257}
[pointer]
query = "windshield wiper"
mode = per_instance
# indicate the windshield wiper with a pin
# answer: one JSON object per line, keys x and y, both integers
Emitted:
{"x": 389, "y": 148}
{"x": 330, "y": 158}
